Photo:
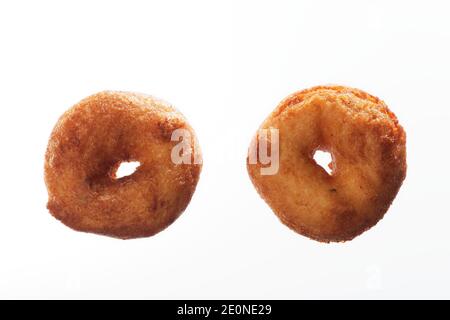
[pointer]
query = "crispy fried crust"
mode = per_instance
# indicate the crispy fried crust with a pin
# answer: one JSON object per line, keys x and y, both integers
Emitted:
{"x": 88, "y": 144}
{"x": 368, "y": 148}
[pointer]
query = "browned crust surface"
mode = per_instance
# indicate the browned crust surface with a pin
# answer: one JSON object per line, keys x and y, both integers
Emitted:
{"x": 368, "y": 147}
{"x": 89, "y": 142}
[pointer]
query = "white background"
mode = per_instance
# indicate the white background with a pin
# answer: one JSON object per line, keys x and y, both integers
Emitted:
{"x": 225, "y": 65}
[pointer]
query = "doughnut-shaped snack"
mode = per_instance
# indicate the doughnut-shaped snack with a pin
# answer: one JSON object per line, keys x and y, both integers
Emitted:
{"x": 88, "y": 144}
{"x": 367, "y": 145}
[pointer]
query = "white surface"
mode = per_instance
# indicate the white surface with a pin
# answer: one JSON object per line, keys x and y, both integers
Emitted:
{"x": 225, "y": 66}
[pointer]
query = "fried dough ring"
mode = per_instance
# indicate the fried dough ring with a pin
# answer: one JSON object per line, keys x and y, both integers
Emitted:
{"x": 368, "y": 151}
{"x": 85, "y": 149}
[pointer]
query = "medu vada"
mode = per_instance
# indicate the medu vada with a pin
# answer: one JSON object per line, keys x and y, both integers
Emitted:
{"x": 85, "y": 149}
{"x": 368, "y": 152}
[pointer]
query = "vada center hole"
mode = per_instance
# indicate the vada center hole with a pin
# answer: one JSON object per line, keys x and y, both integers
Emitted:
{"x": 323, "y": 159}
{"x": 126, "y": 169}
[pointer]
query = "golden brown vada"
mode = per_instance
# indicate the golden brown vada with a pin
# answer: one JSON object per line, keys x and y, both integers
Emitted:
{"x": 368, "y": 149}
{"x": 88, "y": 144}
